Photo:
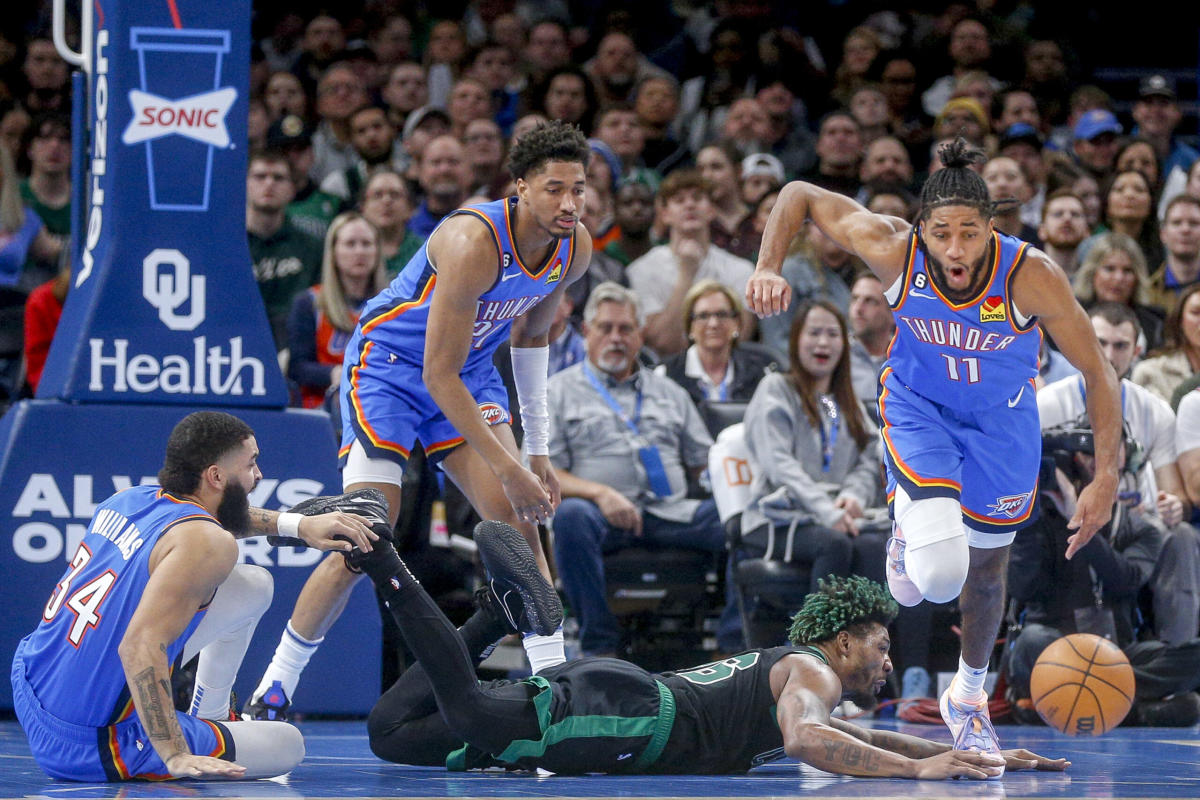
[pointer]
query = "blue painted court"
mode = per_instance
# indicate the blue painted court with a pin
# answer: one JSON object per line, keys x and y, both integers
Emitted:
{"x": 1129, "y": 762}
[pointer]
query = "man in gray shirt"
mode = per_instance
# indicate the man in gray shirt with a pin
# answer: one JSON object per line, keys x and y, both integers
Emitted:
{"x": 623, "y": 441}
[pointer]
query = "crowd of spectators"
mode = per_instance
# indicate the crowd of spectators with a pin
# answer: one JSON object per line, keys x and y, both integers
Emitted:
{"x": 371, "y": 121}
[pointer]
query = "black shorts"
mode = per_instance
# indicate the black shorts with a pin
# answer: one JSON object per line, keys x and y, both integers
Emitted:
{"x": 595, "y": 715}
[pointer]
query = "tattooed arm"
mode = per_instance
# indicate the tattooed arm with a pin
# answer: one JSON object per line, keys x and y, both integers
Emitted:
{"x": 186, "y": 567}
{"x": 317, "y": 531}
{"x": 807, "y": 690}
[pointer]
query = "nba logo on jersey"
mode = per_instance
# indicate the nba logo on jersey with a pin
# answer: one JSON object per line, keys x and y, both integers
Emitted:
{"x": 555, "y": 273}
{"x": 1010, "y": 505}
{"x": 992, "y": 310}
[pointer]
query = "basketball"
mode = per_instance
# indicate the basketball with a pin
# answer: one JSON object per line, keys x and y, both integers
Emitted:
{"x": 1082, "y": 685}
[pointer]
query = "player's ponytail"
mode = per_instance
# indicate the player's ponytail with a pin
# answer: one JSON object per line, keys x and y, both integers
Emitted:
{"x": 956, "y": 184}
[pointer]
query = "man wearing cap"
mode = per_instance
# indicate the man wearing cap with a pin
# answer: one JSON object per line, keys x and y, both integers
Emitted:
{"x": 962, "y": 116}
{"x": 762, "y": 173}
{"x": 311, "y": 210}
{"x": 1022, "y": 143}
{"x": 1095, "y": 142}
{"x": 1157, "y": 115}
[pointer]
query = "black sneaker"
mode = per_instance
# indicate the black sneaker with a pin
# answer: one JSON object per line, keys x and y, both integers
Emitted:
{"x": 367, "y": 503}
{"x": 523, "y": 597}
{"x": 271, "y": 707}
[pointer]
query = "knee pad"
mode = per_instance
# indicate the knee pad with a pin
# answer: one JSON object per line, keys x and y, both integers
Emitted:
{"x": 939, "y": 569}
{"x": 936, "y": 555}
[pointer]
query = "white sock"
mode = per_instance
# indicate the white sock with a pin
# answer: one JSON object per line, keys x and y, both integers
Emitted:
{"x": 544, "y": 651}
{"x": 290, "y": 659}
{"x": 968, "y": 683}
{"x": 216, "y": 672}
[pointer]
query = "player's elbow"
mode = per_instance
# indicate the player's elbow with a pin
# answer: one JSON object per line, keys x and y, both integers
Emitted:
{"x": 803, "y": 741}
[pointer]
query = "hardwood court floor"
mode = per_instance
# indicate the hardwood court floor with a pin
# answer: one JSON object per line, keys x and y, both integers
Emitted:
{"x": 1127, "y": 763}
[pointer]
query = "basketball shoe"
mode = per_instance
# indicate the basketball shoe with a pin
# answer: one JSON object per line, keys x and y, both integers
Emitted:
{"x": 970, "y": 725}
{"x": 271, "y": 706}
{"x": 902, "y": 587}
{"x": 521, "y": 595}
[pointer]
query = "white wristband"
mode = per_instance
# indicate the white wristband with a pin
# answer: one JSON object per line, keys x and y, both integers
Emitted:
{"x": 288, "y": 524}
{"x": 530, "y": 365}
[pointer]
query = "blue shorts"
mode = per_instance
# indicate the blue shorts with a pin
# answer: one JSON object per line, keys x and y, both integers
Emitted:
{"x": 386, "y": 407}
{"x": 120, "y": 752}
{"x": 987, "y": 460}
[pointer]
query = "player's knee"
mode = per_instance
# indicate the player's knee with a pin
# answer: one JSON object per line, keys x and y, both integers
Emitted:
{"x": 253, "y": 588}
{"x": 939, "y": 569}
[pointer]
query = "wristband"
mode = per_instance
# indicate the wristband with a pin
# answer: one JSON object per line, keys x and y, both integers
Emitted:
{"x": 288, "y": 524}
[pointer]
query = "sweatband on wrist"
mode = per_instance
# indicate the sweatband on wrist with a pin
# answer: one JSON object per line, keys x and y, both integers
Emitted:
{"x": 530, "y": 365}
{"x": 288, "y": 524}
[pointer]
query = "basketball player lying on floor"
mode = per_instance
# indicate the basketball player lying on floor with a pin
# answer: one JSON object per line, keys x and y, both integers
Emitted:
{"x": 607, "y": 715}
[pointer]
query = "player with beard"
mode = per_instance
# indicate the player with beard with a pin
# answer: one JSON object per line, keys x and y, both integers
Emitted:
{"x": 156, "y": 578}
{"x": 605, "y": 715}
{"x": 419, "y": 367}
{"x": 959, "y": 419}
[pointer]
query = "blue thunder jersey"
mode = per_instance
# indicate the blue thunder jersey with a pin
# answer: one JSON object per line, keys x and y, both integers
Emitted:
{"x": 71, "y": 660}
{"x": 396, "y": 319}
{"x": 969, "y": 355}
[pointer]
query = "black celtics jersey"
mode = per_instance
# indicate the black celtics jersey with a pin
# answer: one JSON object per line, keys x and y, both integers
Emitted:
{"x": 724, "y": 715}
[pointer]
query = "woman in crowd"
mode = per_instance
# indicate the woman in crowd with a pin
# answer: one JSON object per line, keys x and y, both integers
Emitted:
{"x": 323, "y": 317}
{"x": 1114, "y": 271}
{"x": 1179, "y": 357}
{"x": 1128, "y": 205}
{"x": 816, "y": 455}
{"x": 733, "y": 228}
{"x": 1138, "y": 154}
{"x": 716, "y": 367}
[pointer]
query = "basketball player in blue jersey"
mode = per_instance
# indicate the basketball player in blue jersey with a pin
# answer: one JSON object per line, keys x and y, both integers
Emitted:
{"x": 956, "y": 396}
{"x": 154, "y": 578}
{"x": 419, "y": 367}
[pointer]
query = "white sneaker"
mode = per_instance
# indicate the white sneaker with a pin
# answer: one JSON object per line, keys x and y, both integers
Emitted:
{"x": 901, "y": 586}
{"x": 970, "y": 725}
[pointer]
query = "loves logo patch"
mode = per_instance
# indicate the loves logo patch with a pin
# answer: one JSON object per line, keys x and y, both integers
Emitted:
{"x": 992, "y": 309}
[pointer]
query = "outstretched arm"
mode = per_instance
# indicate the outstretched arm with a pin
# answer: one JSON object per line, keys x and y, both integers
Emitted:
{"x": 1040, "y": 289}
{"x": 918, "y": 748}
{"x": 878, "y": 240}
{"x": 809, "y": 691}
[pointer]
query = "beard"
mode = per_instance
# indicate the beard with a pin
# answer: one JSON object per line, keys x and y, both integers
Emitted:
{"x": 233, "y": 512}
{"x": 613, "y": 362}
{"x": 979, "y": 276}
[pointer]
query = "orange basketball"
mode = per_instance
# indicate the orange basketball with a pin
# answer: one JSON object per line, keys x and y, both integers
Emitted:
{"x": 1082, "y": 685}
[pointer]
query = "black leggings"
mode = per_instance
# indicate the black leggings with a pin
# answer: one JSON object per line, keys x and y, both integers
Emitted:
{"x": 405, "y": 725}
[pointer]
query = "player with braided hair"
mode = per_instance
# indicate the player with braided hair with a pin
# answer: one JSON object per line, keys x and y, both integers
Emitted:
{"x": 607, "y": 715}
{"x": 956, "y": 397}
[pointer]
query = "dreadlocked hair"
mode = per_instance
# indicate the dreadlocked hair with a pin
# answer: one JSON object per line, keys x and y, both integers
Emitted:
{"x": 838, "y": 604}
{"x": 957, "y": 184}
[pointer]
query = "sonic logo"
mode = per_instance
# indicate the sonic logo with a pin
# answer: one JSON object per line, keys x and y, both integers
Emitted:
{"x": 555, "y": 273}
{"x": 493, "y": 413}
{"x": 200, "y": 117}
{"x": 992, "y": 309}
{"x": 1009, "y": 505}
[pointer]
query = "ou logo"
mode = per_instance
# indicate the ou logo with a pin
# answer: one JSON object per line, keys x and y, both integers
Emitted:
{"x": 169, "y": 289}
